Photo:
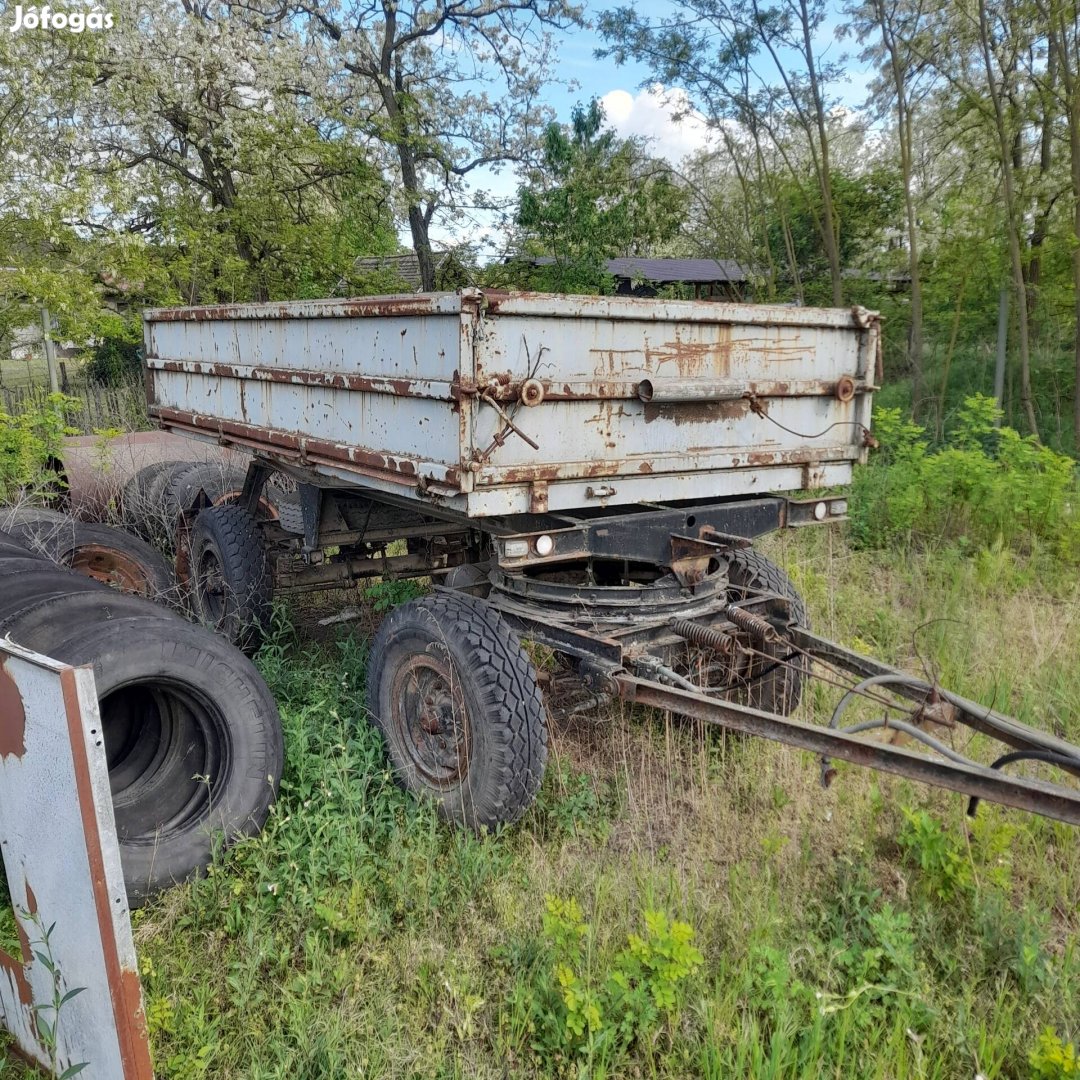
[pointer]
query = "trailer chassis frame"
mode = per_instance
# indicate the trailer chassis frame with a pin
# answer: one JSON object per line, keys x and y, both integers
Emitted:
{"x": 620, "y": 639}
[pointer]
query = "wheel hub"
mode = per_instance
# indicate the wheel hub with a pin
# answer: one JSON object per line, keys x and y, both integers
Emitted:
{"x": 428, "y": 711}
{"x": 111, "y": 567}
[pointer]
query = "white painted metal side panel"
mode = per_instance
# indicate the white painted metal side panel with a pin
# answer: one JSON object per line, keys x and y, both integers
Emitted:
{"x": 423, "y": 395}
{"x": 384, "y": 383}
{"x": 63, "y": 871}
{"x": 591, "y": 351}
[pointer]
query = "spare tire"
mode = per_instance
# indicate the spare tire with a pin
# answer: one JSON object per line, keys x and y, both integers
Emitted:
{"x": 217, "y": 481}
{"x": 109, "y": 555}
{"x": 192, "y": 735}
{"x": 141, "y": 494}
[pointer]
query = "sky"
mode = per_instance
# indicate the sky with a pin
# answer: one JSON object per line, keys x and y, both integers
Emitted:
{"x": 633, "y": 105}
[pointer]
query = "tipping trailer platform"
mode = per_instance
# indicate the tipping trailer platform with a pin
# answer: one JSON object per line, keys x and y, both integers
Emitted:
{"x": 586, "y": 472}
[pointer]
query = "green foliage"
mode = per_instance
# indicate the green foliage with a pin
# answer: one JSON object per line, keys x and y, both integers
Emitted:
{"x": 1053, "y": 1059}
{"x": 865, "y": 204}
{"x": 47, "y": 1015}
{"x": 388, "y": 593}
{"x": 28, "y": 442}
{"x": 987, "y": 487}
{"x": 593, "y": 197}
{"x": 601, "y": 1011}
{"x": 116, "y": 357}
{"x": 946, "y": 871}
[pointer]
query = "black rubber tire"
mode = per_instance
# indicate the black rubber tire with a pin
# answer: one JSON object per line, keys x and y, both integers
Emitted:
{"x": 470, "y": 578}
{"x": 12, "y": 546}
{"x": 140, "y": 499}
{"x": 214, "y": 479}
{"x": 35, "y": 585}
{"x": 22, "y": 562}
{"x": 505, "y": 730}
{"x": 15, "y": 517}
{"x": 773, "y": 687}
{"x": 177, "y": 705}
{"x": 231, "y": 586}
{"x": 48, "y": 619}
{"x": 99, "y": 551}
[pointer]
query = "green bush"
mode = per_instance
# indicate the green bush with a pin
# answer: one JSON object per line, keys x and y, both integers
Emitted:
{"x": 115, "y": 359}
{"x": 988, "y": 486}
{"x": 29, "y": 442}
{"x": 595, "y": 1012}
{"x": 1053, "y": 1059}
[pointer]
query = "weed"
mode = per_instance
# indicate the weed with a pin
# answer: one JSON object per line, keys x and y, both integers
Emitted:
{"x": 1053, "y": 1059}
{"x": 946, "y": 870}
{"x": 987, "y": 487}
{"x": 388, "y": 593}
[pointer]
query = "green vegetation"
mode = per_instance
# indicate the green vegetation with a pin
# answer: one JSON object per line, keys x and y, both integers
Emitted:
{"x": 28, "y": 442}
{"x": 986, "y": 487}
{"x": 675, "y": 905}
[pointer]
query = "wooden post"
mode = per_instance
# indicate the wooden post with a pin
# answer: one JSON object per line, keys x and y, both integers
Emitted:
{"x": 50, "y": 351}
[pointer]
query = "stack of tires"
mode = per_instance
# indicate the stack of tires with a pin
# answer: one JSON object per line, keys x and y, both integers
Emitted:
{"x": 192, "y": 735}
{"x": 158, "y": 496}
{"x": 109, "y": 555}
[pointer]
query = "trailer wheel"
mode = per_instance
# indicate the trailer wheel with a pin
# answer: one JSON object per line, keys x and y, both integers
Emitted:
{"x": 456, "y": 699}
{"x": 231, "y": 584}
{"x": 107, "y": 554}
{"x": 470, "y": 578}
{"x": 771, "y": 686}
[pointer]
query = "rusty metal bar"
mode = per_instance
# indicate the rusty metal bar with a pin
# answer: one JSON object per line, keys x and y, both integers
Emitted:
{"x": 1035, "y": 796}
{"x": 300, "y": 376}
{"x": 980, "y": 718}
{"x": 339, "y": 575}
{"x": 675, "y": 390}
{"x": 302, "y": 449}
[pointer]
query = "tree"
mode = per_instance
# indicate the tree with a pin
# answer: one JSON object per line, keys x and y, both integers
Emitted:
{"x": 418, "y": 73}
{"x": 712, "y": 49}
{"x": 904, "y": 82}
{"x": 211, "y": 135}
{"x": 594, "y": 197}
{"x": 1062, "y": 20}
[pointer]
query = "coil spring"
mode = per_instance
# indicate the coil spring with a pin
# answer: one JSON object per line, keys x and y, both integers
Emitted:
{"x": 705, "y": 636}
{"x": 752, "y": 624}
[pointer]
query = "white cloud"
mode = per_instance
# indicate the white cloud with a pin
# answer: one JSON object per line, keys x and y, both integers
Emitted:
{"x": 651, "y": 114}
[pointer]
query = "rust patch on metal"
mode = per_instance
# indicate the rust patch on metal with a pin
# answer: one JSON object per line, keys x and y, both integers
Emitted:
{"x": 17, "y": 970}
{"x": 845, "y": 388}
{"x": 296, "y": 377}
{"x": 300, "y": 448}
{"x": 368, "y": 306}
{"x": 538, "y": 497}
{"x": 696, "y": 412}
{"x": 111, "y": 566}
{"x": 692, "y": 358}
{"x": 124, "y": 988}
{"x": 12, "y": 717}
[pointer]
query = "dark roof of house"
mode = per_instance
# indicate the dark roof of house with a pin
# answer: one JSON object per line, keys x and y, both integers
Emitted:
{"x": 406, "y": 267}
{"x": 669, "y": 270}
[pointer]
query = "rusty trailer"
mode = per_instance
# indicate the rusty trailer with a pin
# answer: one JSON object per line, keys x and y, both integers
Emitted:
{"x": 588, "y": 473}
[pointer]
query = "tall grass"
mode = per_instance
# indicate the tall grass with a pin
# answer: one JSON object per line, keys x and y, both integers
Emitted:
{"x": 865, "y": 930}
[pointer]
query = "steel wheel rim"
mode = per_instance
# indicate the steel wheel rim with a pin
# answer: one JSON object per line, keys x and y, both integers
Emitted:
{"x": 430, "y": 720}
{"x": 212, "y": 586}
{"x": 111, "y": 567}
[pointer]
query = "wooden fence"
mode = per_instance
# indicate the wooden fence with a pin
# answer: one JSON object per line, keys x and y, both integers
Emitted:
{"x": 96, "y": 407}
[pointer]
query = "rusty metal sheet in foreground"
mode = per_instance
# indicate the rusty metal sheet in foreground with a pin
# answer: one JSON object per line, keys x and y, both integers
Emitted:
{"x": 62, "y": 863}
